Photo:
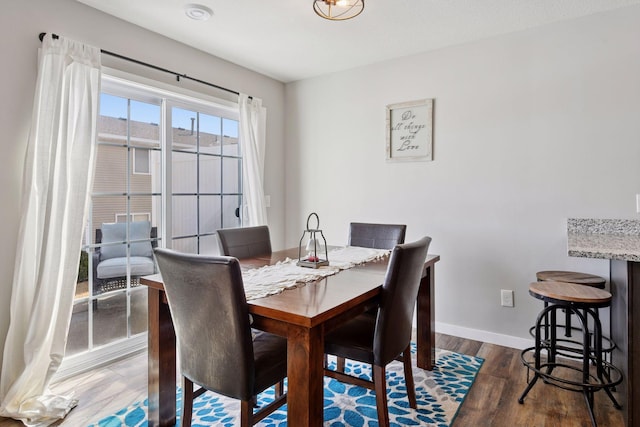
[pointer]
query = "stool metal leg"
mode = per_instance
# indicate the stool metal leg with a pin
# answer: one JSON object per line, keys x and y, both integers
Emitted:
{"x": 597, "y": 330}
{"x": 587, "y": 391}
{"x": 552, "y": 349}
{"x": 543, "y": 319}
{"x": 588, "y": 398}
{"x": 567, "y": 323}
{"x": 537, "y": 355}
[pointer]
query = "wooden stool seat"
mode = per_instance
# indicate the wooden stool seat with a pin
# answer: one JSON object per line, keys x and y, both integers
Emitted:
{"x": 582, "y": 279}
{"x": 565, "y": 292}
{"x": 572, "y": 277}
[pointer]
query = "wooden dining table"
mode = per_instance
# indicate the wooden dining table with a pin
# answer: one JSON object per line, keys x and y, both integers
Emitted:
{"x": 303, "y": 315}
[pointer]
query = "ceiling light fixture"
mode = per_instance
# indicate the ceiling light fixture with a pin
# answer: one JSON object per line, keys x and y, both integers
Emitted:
{"x": 338, "y": 10}
{"x": 198, "y": 12}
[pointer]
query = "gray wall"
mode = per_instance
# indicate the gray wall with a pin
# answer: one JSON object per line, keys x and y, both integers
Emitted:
{"x": 530, "y": 128}
{"x": 22, "y": 21}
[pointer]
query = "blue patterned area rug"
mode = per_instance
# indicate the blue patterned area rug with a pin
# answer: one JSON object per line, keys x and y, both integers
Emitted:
{"x": 439, "y": 394}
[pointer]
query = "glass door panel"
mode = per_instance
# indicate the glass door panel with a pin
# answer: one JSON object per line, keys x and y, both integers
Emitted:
{"x": 122, "y": 228}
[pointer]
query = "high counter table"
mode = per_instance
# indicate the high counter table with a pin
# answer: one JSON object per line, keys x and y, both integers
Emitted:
{"x": 619, "y": 242}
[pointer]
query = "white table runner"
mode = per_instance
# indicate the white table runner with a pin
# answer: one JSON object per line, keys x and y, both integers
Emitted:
{"x": 273, "y": 279}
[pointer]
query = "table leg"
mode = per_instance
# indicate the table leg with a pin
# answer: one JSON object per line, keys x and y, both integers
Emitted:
{"x": 426, "y": 332}
{"x": 305, "y": 358}
{"x": 162, "y": 362}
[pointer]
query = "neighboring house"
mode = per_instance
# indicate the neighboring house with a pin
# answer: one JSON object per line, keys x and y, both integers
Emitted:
{"x": 111, "y": 167}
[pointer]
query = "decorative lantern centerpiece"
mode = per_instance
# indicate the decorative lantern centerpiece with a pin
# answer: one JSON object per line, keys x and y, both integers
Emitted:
{"x": 313, "y": 246}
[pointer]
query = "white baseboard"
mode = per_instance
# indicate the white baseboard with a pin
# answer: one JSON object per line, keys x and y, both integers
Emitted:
{"x": 484, "y": 336}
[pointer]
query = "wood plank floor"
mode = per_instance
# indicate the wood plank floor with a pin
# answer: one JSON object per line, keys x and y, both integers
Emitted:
{"x": 492, "y": 401}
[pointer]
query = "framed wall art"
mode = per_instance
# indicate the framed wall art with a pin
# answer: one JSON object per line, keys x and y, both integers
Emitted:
{"x": 410, "y": 131}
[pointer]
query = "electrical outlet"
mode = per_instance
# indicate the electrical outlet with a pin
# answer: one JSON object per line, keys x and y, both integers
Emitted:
{"x": 506, "y": 297}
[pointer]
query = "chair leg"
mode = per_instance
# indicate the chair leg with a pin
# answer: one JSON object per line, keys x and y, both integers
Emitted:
{"x": 340, "y": 362}
{"x": 187, "y": 402}
{"x": 279, "y": 388}
{"x": 246, "y": 413}
{"x": 408, "y": 377}
{"x": 380, "y": 383}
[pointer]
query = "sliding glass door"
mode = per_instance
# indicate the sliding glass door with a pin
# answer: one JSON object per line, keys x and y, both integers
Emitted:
{"x": 168, "y": 173}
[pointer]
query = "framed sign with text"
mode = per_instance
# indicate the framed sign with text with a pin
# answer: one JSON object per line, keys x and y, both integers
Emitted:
{"x": 410, "y": 131}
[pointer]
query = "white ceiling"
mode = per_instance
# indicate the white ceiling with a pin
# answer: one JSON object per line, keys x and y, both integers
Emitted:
{"x": 286, "y": 40}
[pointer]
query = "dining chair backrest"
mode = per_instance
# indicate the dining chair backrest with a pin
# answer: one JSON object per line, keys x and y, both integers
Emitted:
{"x": 211, "y": 319}
{"x": 377, "y": 236}
{"x": 245, "y": 242}
{"x": 399, "y": 293}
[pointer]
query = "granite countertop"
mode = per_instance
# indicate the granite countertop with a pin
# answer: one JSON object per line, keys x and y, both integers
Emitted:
{"x": 604, "y": 238}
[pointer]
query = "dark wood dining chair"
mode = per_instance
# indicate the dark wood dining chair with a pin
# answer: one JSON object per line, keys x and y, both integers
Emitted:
{"x": 214, "y": 338}
{"x": 381, "y": 339}
{"x": 378, "y": 236}
{"x": 245, "y": 242}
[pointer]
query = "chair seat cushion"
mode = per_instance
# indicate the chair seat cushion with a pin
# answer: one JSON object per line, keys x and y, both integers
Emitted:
{"x": 270, "y": 353}
{"x": 353, "y": 340}
{"x": 117, "y": 267}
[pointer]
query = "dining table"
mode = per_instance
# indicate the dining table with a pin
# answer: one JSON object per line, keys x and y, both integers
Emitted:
{"x": 303, "y": 315}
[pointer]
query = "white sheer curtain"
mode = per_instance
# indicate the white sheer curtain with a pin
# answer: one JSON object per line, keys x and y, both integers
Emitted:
{"x": 58, "y": 174}
{"x": 252, "y": 134}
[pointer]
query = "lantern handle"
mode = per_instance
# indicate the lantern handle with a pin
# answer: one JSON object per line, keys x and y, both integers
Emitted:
{"x": 317, "y": 221}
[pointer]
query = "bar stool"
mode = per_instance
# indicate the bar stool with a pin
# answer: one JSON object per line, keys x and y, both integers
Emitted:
{"x": 593, "y": 371}
{"x": 584, "y": 279}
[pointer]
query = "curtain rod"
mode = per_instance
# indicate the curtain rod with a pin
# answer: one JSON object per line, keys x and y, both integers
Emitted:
{"x": 155, "y": 67}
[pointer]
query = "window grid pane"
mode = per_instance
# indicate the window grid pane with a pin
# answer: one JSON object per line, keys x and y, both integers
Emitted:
{"x": 204, "y": 171}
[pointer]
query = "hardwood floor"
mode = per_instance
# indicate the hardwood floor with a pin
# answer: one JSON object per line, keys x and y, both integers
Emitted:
{"x": 101, "y": 392}
{"x": 492, "y": 401}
